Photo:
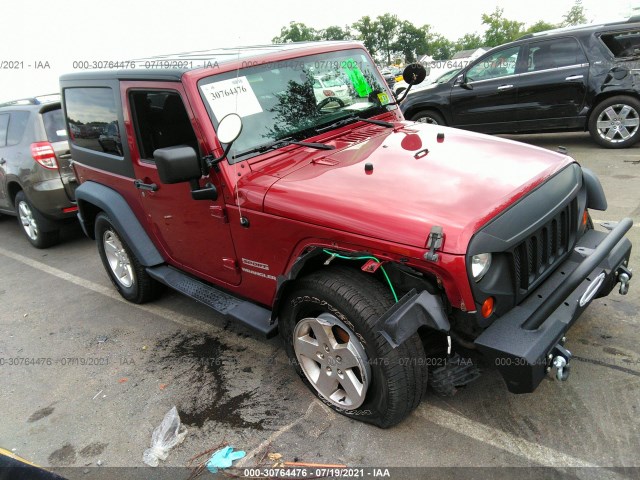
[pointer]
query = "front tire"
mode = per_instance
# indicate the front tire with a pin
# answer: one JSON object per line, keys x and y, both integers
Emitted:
{"x": 125, "y": 271}
{"x": 32, "y": 224}
{"x": 328, "y": 327}
{"x": 615, "y": 122}
{"x": 428, "y": 116}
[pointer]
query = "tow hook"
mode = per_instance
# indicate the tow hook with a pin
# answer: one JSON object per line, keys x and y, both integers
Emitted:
{"x": 624, "y": 276}
{"x": 560, "y": 359}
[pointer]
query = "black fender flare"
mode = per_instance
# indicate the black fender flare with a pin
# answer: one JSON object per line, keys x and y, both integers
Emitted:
{"x": 411, "y": 312}
{"x": 596, "y": 198}
{"x": 91, "y": 196}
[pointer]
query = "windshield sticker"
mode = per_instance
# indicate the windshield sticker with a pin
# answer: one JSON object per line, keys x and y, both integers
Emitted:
{"x": 357, "y": 78}
{"x": 384, "y": 98}
{"x": 61, "y": 133}
{"x": 231, "y": 96}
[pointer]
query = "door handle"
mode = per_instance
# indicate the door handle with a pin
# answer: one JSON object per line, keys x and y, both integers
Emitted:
{"x": 149, "y": 187}
{"x": 574, "y": 77}
{"x": 505, "y": 87}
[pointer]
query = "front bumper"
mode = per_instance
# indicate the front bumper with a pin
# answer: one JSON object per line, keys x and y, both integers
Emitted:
{"x": 519, "y": 343}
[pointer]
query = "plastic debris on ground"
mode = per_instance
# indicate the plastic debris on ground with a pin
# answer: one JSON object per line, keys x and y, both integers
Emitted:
{"x": 224, "y": 458}
{"x": 166, "y": 436}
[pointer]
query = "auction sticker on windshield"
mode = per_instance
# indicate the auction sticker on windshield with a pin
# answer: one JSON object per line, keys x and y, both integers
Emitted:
{"x": 231, "y": 96}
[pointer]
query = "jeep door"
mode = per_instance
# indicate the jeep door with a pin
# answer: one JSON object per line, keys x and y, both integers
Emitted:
{"x": 485, "y": 97}
{"x": 194, "y": 234}
{"x": 552, "y": 90}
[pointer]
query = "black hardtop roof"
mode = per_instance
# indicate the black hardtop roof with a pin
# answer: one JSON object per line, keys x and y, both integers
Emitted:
{"x": 161, "y": 67}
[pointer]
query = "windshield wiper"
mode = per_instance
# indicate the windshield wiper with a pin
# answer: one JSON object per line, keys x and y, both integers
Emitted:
{"x": 283, "y": 142}
{"x": 350, "y": 119}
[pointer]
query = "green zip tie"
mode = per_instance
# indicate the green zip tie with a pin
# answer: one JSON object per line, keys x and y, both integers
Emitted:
{"x": 344, "y": 257}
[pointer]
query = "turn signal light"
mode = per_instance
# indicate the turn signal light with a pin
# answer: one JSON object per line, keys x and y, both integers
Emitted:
{"x": 585, "y": 216}
{"x": 487, "y": 307}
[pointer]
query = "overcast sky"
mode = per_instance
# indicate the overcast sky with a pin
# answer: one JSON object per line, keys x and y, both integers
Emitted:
{"x": 63, "y": 32}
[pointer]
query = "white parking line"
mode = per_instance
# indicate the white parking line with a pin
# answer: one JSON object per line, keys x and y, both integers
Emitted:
{"x": 183, "y": 320}
{"x": 534, "y": 452}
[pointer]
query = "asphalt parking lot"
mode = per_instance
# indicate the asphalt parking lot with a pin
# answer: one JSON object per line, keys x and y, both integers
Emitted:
{"x": 110, "y": 371}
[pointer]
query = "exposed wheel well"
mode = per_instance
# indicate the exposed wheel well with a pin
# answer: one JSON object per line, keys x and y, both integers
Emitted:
{"x": 89, "y": 213}
{"x": 12, "y": 189}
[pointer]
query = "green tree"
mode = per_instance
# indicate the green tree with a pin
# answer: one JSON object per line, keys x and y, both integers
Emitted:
{"x": 388, "y": 26}
{"x": 368, "y": 33}
{"x": 470, "y": 41}
{"x": 296, "y": 32}
{"x": 540, "y": 26}
{"x": 439, "y": 47}
{"x": 335, "y": 32}
{"x": 499, "y": 29}
{"x": 411, "y": 41}
{"x": 575, "y": 16}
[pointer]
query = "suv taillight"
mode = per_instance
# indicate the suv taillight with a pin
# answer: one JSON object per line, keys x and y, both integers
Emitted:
{"x": 42, "y": 152}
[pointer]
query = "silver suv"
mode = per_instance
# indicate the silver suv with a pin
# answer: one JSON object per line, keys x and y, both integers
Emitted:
{"x": 37, "y": 182}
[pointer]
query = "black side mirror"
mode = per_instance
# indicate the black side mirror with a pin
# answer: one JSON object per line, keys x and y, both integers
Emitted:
{"x": 181, "y": 164}
{"x": 461, "y": 81}
{"x": 177, "y": 164}
{"x": 413, "y": 74}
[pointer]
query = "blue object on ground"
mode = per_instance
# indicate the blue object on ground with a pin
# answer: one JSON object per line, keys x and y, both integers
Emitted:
{"x": 223, "y": 458}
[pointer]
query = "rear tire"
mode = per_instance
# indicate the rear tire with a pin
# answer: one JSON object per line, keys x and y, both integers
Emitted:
{"x": 428, "y": 116}
{"x": 615, "y": 122}
{"x": 328, "y": 323}
{"x": 33, "y": 225}
{"x": 125, "y": 271}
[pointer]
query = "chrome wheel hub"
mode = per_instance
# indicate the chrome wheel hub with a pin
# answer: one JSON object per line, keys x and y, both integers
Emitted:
{"x": 333, "y": 360}
{"x": 428, "y": 120}
{"x": 618, "y": 123}
{"x": 28, "y": 222}
{"x": 117, "y": 258}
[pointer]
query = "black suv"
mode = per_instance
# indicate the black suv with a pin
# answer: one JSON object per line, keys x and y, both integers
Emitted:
{"x": 573, "y": 79}
{"x": 37, "y": 182}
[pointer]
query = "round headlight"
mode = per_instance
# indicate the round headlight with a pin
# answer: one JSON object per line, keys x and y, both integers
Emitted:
{"x": 480, "y": 264}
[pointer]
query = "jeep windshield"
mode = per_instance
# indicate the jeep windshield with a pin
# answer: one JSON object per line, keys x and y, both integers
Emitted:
{"x": 286, "y": 100}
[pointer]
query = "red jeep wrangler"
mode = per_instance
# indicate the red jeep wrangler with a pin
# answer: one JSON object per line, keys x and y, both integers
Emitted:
{"x": 379, "y": 249}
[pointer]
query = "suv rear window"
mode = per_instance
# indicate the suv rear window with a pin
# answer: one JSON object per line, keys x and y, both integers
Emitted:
{"x": 93, "y": 119}
{"x": 54, "y": 125}
{"x": 623, "y": 44}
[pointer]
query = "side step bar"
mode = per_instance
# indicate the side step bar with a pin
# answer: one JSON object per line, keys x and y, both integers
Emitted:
{"x": 250, "y": 314}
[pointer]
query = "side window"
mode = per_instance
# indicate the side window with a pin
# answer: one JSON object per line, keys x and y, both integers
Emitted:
{"x": 93, "y": 119}
{"x": 160, "y": 120}
{"x": 623, "y": 44}
{"x": 4, "y": 126}
{"x": 17, "y": 126}
{"x": 498, "y": 64}
{"x": 561, "y": 52}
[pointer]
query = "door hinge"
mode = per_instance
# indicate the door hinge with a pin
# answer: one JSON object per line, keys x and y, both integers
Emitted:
{"x": 434, "y": 243}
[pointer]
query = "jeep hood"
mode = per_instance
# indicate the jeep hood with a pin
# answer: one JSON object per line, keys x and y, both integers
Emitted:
{"x": 417, "y": 181}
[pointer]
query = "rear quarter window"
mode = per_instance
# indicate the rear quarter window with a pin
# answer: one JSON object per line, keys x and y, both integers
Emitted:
{"x": 92, "y": 119}
{"x": 54, "y": 127}
{"x": 4, "y": 126}
{"x": 623, "y": 44}
{"x": 17, "y": 125}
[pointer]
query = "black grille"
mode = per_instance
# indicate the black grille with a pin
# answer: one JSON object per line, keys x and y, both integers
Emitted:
{"x": 546, "y": 247}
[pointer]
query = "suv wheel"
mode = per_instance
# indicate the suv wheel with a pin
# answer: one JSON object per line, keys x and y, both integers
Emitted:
{"x": 127, "y": 274}
{"x": 328, "y": 326}
{"x": 32, "y": 224}
{"x": 428, "y": 116}
{"x": 615, "y": 123}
